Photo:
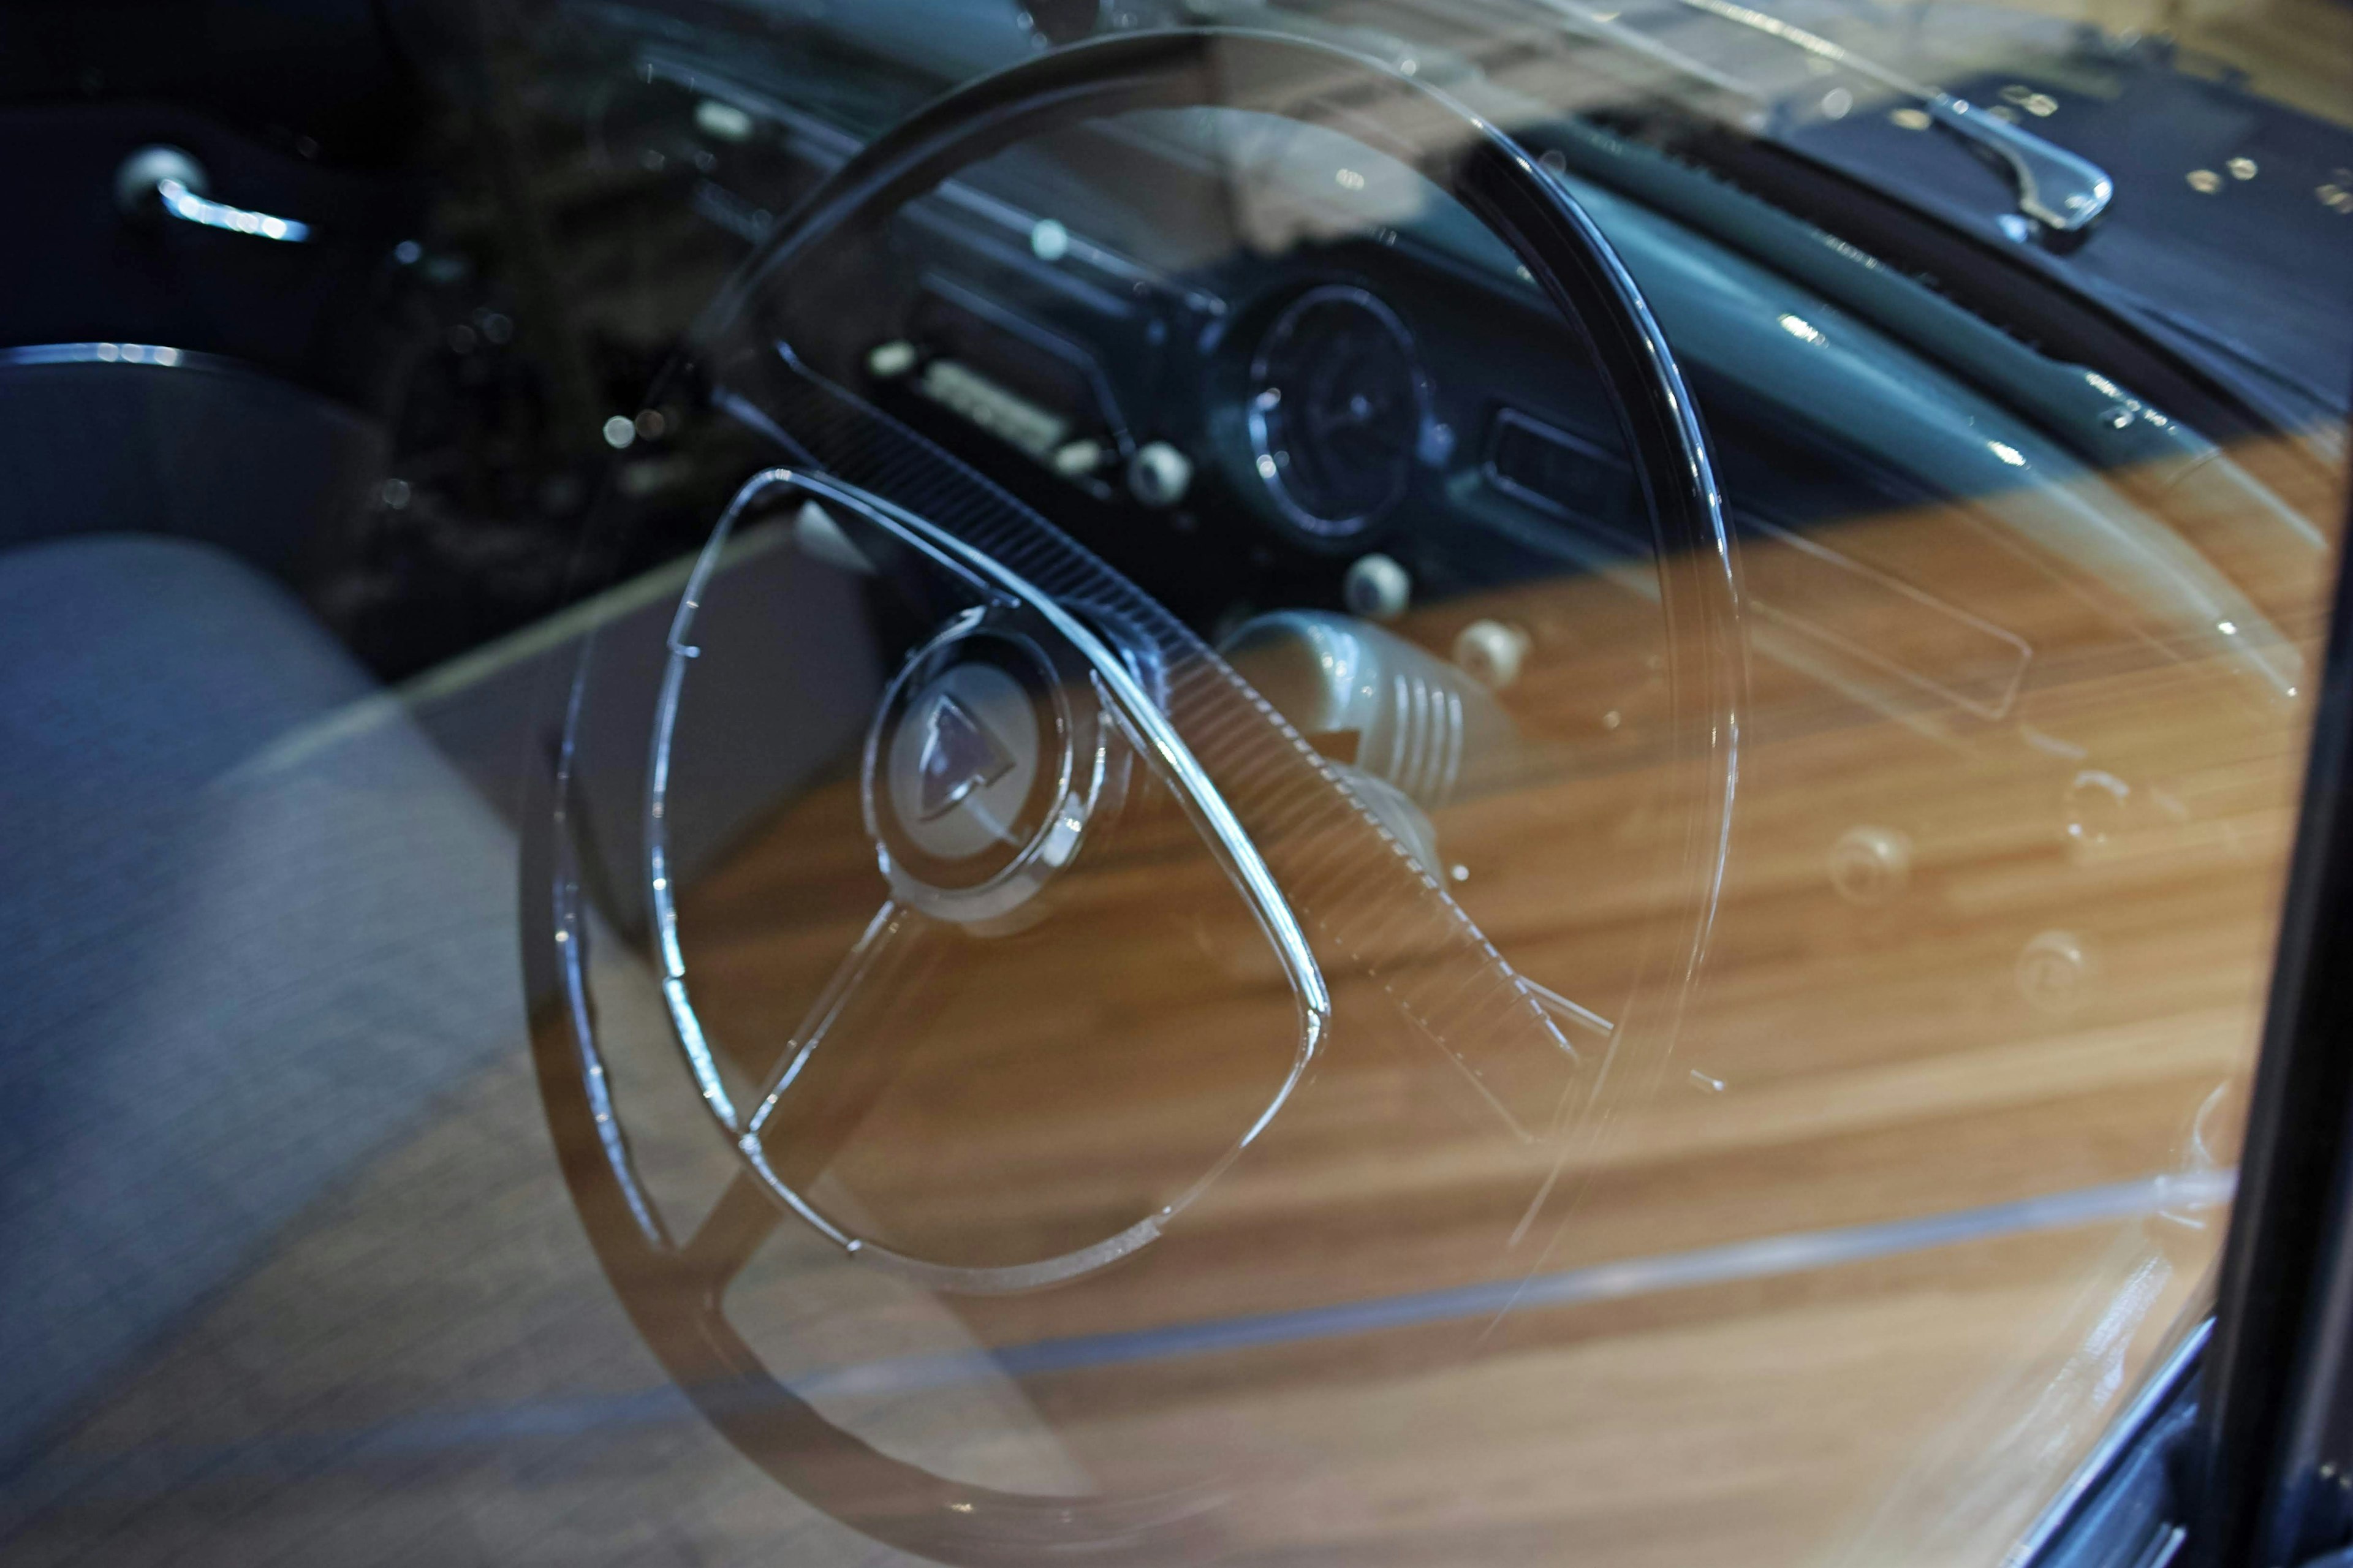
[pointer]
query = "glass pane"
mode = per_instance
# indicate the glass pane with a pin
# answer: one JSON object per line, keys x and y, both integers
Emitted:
{"x": 1427, "y": 781}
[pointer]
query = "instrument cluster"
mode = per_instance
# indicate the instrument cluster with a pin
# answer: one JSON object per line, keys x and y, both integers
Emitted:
{"x": 1338, "y": 410}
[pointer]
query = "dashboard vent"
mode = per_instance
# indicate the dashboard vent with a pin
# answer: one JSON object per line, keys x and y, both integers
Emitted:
{"x": 1564, "y": 475}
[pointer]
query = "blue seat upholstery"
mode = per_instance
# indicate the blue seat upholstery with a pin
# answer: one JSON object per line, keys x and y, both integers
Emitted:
{"x": 252, "y": 931}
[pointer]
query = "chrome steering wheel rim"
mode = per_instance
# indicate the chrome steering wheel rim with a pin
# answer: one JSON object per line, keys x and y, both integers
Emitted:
{"x": 675, "y": 1309}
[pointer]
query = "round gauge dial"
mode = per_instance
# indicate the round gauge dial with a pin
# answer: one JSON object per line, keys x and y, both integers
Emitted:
{"x": 1336, "y": 404}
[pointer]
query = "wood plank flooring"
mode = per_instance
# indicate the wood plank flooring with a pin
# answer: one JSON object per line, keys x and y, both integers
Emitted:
{"x": 1743, "y": 1336}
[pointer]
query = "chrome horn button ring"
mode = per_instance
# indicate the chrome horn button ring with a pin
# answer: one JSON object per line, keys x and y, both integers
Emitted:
{"x": 989, "y": 759}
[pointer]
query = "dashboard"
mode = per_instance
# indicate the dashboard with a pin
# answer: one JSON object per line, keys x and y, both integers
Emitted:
{"x": 1308, "y": 403}
{"x": 1260, "y": 370}
{"x": 1995, "y": 707}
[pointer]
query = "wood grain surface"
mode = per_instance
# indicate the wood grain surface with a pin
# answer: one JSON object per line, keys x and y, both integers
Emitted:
{"x": 1776, "y": 1289}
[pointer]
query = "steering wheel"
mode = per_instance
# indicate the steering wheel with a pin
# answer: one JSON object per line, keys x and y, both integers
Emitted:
{"x": 1047, "y": 685}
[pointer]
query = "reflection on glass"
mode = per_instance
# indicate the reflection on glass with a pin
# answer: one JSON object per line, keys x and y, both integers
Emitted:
{"x": 1893, "y": 1183}
{"x": 1262, "y": 855}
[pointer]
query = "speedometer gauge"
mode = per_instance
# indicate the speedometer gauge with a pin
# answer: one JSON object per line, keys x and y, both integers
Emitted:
{"x": 1336, "y": 404}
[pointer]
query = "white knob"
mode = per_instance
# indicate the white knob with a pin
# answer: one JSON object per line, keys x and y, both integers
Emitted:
{"x": 1158, "y": 474}
{"x": 1491, "y": 653}
{"x": 1871, "y": 865}
{"x": 895, "y": 358}
{"x": 1049, "y": 241}
{"x": 2055, "y": 972}
{"x": 1377, "y": 588}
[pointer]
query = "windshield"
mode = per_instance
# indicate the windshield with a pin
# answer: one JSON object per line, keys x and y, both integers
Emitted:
{"x": 1149, "y": 782}
{"x": 2026, "y": 131}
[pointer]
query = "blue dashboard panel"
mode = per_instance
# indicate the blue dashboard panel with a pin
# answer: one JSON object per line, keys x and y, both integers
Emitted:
{"x": 1822, "y": 412}
{"x": 1835, "y": 387}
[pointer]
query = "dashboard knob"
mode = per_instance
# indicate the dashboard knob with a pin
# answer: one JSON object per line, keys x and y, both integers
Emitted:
{"x": 1491, "y": 653}
{"x": 1377, "y": 588}
{"x": 895, "y": 358}
{"x": 1158, "y": 474}
{"x": 2056, "y": 973}
{"x": 1871, "y": 865}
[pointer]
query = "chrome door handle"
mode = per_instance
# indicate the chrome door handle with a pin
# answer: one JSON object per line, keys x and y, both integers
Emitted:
{"x": 167, "y": 181}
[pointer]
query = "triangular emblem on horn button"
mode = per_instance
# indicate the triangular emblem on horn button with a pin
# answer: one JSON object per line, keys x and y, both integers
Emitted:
{"x": 959, "y": 756}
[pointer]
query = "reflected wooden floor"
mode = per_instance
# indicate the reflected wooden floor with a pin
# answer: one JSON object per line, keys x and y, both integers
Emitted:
{"x": 2058, "y": 995}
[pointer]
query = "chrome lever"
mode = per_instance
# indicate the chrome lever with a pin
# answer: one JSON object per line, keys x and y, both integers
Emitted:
{"x": 166, "y": 180}
{"x": 2054, "y": 187}
{"x": 2059, "y": 190}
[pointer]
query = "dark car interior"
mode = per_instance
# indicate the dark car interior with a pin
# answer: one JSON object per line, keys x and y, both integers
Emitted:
{"x": 362, "y": 361}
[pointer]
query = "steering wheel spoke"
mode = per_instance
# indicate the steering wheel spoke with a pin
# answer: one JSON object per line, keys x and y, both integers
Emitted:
{"x": 721, "y": 1246}
{"x": 881, "y": 950}
{"x": 998, "y": 749}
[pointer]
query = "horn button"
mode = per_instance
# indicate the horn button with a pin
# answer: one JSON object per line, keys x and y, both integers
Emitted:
{"x": 990, "y": 758}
